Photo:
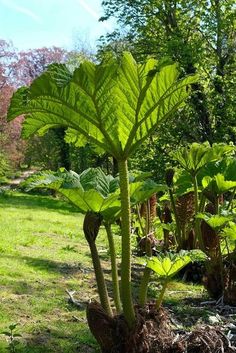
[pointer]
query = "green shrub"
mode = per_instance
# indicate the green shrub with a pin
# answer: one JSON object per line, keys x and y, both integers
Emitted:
{"x": 5, "y": 168}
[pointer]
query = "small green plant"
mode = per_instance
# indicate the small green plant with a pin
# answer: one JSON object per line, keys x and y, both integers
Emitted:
{"x": 12, "y": 338}
{"x": 5, "y": 167}
{"x": 166, "y": 266}
{"x": 69, "y": 248}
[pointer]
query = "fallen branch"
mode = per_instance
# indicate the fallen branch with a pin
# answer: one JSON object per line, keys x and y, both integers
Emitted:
{"x": 73, "y": 300}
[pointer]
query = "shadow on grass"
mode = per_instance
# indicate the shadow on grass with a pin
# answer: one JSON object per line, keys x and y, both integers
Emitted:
{"x": 35, "y": 202}
{"x": 55, "y": 340}
{"x": 49, "y": 265}
{"x": 45, "y": 342}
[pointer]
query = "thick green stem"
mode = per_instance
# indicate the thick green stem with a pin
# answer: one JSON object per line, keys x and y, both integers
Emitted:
{"x": 197, "y": 227}
{"x": 178, "y": 228}
{"x": 198, "y": 223}
{"x": 227, "y": 247}
{"x": 231, "y": 199}
{"x": 140, "y": 220}
{"x": 114, "y": 270}
{"x": 195, "y": 186}
{"x": 126, "y": 295}
{"x": 217, "y": 205}
{"x": 148, "y": 218}
{"x": 161, "y": 295}
{"x": 145, "y": 279}
{"x": 202, "y": 203}
{"x": 220, "y": 261}
{"x": 220, "y": 252}
{"x": 102, "y": 289}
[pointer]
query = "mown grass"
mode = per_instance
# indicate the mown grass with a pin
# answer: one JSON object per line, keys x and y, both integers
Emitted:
{"x": 43, "y": 253}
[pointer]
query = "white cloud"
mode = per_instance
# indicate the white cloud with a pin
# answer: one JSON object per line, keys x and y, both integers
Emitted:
{"x": 93, "y": 13}
{"x": 13, "y": 6}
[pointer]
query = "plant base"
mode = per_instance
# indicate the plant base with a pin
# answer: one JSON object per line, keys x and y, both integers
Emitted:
{"x": 212, "y": 281}
{"x": 151, "y": 334}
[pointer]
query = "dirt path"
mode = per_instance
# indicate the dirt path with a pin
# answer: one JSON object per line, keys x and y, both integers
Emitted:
{"x": 24, "y": 175}
{"x": 14, "y": 183}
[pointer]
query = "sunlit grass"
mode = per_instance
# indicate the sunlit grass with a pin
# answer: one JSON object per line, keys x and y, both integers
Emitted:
{"x": 43, "y": 253}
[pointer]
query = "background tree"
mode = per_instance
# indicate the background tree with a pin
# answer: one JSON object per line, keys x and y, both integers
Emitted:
{"x": 11, "y": 147}
{"x": 20, "y": 68}
{"x": 39, "y": 151}
{"x": 200, "y": 36}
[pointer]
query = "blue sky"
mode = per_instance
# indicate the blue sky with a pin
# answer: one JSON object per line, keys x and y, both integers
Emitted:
{"x": 39, "y": 23}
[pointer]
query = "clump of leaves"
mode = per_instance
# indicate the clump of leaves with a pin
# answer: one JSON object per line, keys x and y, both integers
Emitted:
{"x": 195, "y": 160}
{"x": 12, "y": 337}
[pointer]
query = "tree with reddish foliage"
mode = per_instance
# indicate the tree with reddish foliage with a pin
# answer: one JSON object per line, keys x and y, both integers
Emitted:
{"x": 11, "y": 146}
{"x": 32, "y": 63}
{"x": 19, "y": 69}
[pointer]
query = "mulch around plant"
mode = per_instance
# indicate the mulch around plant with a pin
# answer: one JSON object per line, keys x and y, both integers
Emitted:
{"x": 153, "y": 334}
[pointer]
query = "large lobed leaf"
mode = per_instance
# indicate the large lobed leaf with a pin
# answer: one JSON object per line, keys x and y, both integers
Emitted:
{"x": 196, "y": 156}
{"x": 141, "y": 191}
{"x": 215, "y": 221}
{"x": 217, "y": 185}
{"x": 230, "y": 231}
{"x": 92, "y": 190}
{"x": 115, "y": 104}
{"x": 169, "y": 264}
{"x": 225, "y": 166}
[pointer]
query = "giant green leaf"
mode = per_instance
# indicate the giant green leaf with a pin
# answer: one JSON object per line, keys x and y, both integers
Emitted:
{"x": 115, "y": 104}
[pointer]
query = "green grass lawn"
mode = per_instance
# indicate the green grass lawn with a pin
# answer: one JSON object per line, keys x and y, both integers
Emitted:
{"x": 43, "y": 253}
